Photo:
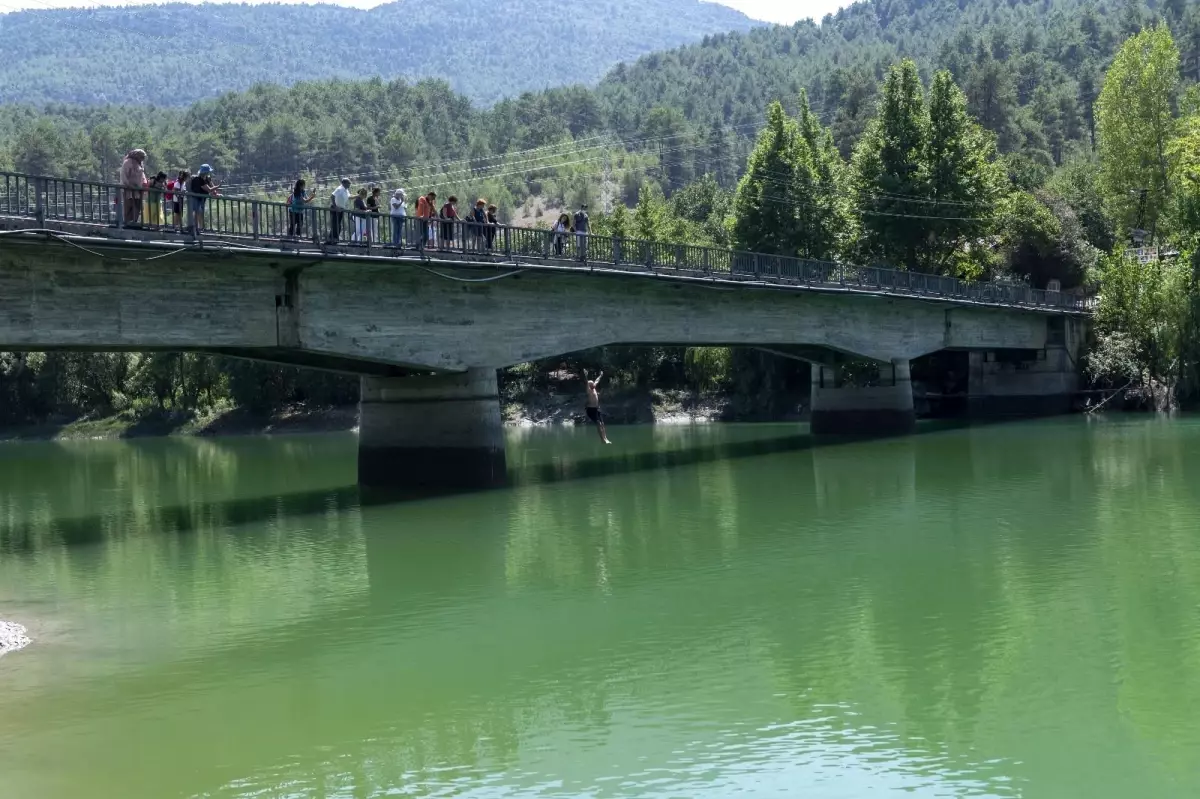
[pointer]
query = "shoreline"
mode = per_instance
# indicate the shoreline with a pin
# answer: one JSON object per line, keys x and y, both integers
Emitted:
{"x": 13, "y": 637}
{"x": 531, "y": 409}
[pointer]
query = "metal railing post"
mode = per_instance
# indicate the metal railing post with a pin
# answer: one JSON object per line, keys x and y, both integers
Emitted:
{"x": 255, "y": 221}
{"x": 39, "y": 188}
{"x": 507, "y": 240}
{"x": 616, "y": 250}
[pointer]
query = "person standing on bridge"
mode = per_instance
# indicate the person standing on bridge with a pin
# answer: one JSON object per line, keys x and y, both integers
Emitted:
{"x": 361, "y": 222}
{"x": 374, "y": 203}
{"x": 154, "y": 199}
{"x": 425, "y": 214}
{"x": 581, "y": 231}
{"x": 399, "y": 214}
{"x": 592, "y": 408}
{"x": 133, "y": 180}
{"x": 339, "y": 206}
{"x": 297, "y": 203}
{"x": 478, "y": 217}
{"x": 177, "y": 196}
{"x": 449, "y": 222}
{"x": 493, "y": 222}
{"x": 201, "y": 187}
{"x": 560, "y": 230}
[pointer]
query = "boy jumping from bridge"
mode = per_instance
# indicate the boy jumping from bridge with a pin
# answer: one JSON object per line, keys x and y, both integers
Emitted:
{"x": 593, "y": 407}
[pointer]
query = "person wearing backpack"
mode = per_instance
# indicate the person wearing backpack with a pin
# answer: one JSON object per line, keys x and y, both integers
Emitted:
{"x": 297, "y": 203}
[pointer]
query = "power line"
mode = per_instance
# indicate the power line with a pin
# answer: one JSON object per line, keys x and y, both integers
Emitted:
{"x": 571, "y": 150}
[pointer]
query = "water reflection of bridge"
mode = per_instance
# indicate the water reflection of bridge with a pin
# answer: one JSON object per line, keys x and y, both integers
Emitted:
{"x": 561, "y": 619}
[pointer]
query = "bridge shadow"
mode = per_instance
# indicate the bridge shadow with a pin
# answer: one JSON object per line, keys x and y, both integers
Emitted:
{"x": 27, "y": 533}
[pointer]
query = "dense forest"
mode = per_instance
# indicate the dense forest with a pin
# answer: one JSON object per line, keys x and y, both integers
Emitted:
{"x": 1021, "y": 142}
{"x": 184, "y": 53}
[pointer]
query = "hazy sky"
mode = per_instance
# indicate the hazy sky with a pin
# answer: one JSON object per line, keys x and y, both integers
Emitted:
{"x": 785, "y": 11}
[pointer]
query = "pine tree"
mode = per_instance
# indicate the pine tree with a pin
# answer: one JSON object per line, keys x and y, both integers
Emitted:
{"x": 717, "y": 152}
{"x": 764, "y": 207}
{"x": 817, "y": 185}
{"x": 964, "y": 182}
{"x": 889, "y": 184}
{"x": 651, "y": 214}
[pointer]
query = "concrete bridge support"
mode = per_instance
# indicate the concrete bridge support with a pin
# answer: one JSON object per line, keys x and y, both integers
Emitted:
{"x": 854, "y": 410}
{"x": 1021, "y": 383}
{"x": 439, "y": 432}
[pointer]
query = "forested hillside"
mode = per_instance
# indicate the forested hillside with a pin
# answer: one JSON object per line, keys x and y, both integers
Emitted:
{"x": 175, "y": 54}
{"x": 1031, "y": 73}
{"x": 1031, "y": 69}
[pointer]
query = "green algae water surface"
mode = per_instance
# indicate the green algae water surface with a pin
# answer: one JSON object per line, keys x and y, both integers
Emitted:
{"x": 1007, "y": 611}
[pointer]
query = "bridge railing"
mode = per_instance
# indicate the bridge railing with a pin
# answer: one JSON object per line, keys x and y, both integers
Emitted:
{"x": 319, "y": 226}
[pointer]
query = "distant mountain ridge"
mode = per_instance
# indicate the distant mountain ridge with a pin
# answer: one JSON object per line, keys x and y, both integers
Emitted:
{"x": 175, "y": 54}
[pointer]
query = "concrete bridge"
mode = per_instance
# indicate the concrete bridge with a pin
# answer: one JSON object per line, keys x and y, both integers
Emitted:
{"x": 73, "y": 275}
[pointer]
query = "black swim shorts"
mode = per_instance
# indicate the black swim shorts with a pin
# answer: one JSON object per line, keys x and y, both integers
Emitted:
{"x": 593, "y": 413}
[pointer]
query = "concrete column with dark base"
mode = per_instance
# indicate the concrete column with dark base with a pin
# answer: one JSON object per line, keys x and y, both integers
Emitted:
{"x": 1042, "y": 385}
{"x": 431, "y": 433}
{"x": 863, "y": 411}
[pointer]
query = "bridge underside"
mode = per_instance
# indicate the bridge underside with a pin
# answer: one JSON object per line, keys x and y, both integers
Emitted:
{"x": 385, "y": 321}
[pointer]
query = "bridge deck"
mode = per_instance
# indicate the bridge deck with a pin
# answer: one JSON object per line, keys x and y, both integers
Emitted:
{"x": 86, "y": 213}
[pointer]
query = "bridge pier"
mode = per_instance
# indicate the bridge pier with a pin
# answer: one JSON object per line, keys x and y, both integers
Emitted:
{"x": 1016, "y": 383}
{"x": 863, "y": 410}
{"x": 438, "y": 432}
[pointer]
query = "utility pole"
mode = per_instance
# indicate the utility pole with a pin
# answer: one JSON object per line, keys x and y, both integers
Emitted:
{"x": 606, "y": 192}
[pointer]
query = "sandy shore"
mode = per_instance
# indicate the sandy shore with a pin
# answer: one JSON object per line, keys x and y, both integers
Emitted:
{"x": 12, "y": 637}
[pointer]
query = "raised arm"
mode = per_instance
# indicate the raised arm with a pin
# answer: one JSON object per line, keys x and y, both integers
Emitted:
{"x": 597, "y": 379}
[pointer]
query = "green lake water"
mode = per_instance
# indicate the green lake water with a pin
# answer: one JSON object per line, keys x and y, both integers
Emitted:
{"x": 1004, "y": 611}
